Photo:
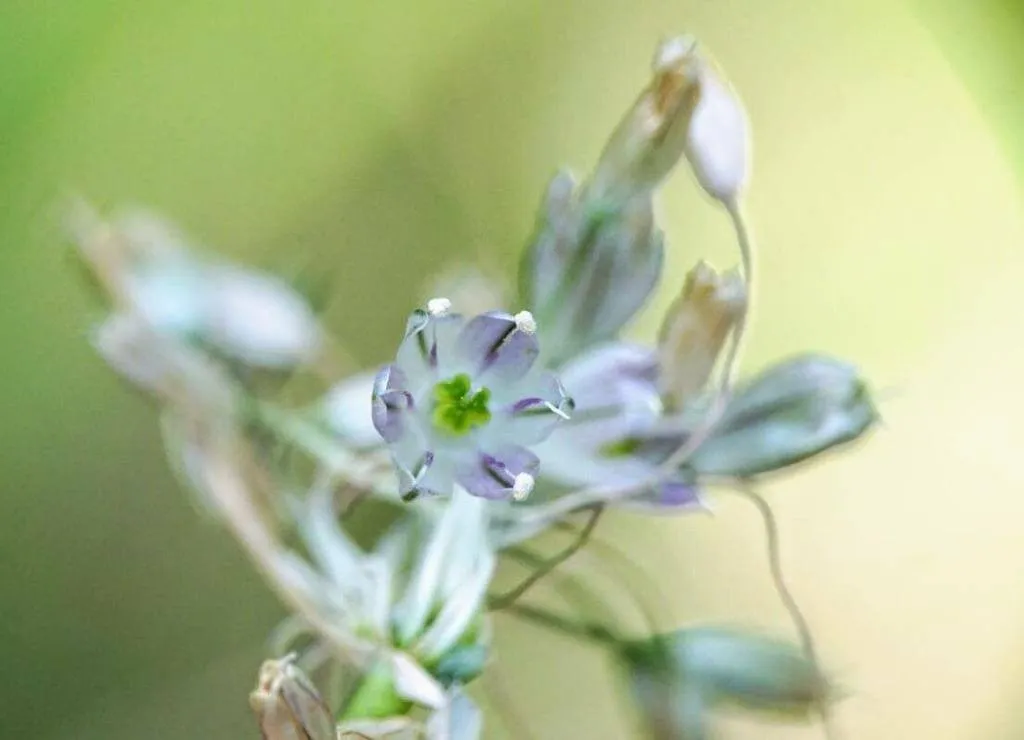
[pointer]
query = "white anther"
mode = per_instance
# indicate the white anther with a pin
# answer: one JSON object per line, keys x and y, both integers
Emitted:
{"x": 439, "y": 306}
{"x": 522, "y": 486}
{"x": 525, "y": 322}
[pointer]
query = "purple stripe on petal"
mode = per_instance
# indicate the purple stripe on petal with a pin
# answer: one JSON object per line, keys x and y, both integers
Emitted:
{"x": 492, "y": 476}
{"x": 532, "y": 418}
{"x": 495, "y": 349}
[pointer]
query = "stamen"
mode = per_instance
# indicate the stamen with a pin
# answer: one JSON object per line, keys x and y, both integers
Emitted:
{"x": 439, "y": 306}
{"x": 525, "y": 322}
{"x": 522, "y": 486}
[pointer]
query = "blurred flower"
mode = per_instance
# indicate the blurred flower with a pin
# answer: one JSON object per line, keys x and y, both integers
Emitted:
{"x": 463, "y": 400}
{"x": 151, "y": 272}
{"x": 694, "y": 331}
{"x": 288, "y": 706}
{"x": 615, "y": 389}
{"x": 418, "y": 596}
{"x": 678, "y": 677}
{"x": 794, "y": 410}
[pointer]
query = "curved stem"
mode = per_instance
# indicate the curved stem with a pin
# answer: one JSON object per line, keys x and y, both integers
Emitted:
{"x": 746, "y": 247}
{"x": 509, "y": 597}
{"x": 771, "y": 528}
{"x": 633, "y": 576}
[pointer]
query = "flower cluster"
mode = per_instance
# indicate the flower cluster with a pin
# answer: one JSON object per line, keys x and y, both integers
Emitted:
{"x": 481, "y": 432}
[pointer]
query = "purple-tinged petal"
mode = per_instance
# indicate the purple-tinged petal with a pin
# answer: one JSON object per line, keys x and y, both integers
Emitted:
{"x": 535, "y": 415}
{"x": 390, "y": 402}
{"x": 674, "y": 496}
{"x": 493, "y": 476}
{"x": 428, "y": 339}
{"x": 496, "y": 349}
{"x": 613, "y": 374}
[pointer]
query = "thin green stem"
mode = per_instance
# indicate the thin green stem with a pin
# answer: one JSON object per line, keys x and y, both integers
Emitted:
{"x": 632, "y": 575}
{"x": 512, "y": 595}
{"x": 596, "y": 633}
{"x": 773, "y": 543}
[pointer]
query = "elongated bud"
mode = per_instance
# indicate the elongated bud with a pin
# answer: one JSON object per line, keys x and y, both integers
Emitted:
{"x": 755, "y": 671}
{"x": 799, "y": 408}
{"x": 247, "y": 316}
{"x": 591, "y": 266}
{"x": 694, "y": 331}
{"x": 148, "y": 270}
{"x": 652, "y": 136}
{"x": 288, "y": 706}
{"x": 718, "y": 138}
{"x": 677, "y": 678}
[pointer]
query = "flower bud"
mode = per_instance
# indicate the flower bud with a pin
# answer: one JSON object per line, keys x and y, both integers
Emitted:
{"x": 694, "y": 331}
{"x": 754, "y": 671}
{"x": 717, "y": 141}
{"x": 591, "y": 266}
{"x": 653, "y": 134}
{"x": 259, "y": 319}
{"x": 287, "y": 704}
{"x": 678, "y": 677}
{"x": 245, "y": 315}
{"x": 792, "y": 411}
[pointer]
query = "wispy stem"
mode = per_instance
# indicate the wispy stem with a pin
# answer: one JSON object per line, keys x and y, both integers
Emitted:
{"x": 512, "y": 595}
{"x": 771, "y": 528}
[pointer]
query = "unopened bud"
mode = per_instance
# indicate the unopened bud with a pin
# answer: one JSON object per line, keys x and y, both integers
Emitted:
{"x": 717, "y": 141}
{"x": 260, "y": 320}
{"x": 796, "y": 409}
{"x": 752, "y": 670}
{"x": 678, "y": 677}
{"x": 288, "y": 706}
{"x": 652, "y": 136}
{"x": 246, "y": 315}
{"x": 694, "y": 331}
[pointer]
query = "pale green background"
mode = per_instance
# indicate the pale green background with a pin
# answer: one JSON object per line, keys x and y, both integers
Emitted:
{"x": 384, "y": 138}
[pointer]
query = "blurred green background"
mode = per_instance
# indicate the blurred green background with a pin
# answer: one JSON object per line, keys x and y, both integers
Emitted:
{"x": 371, "y": 139}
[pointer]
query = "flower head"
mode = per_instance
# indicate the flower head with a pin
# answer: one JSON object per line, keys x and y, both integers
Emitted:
{"x": 463, "y": 401}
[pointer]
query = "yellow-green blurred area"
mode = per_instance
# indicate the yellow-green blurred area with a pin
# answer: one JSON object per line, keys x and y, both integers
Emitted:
{"x": 373, "y": 142}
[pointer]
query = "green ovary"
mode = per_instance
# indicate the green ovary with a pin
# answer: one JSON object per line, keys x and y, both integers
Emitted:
{"x": 456, "y": 410}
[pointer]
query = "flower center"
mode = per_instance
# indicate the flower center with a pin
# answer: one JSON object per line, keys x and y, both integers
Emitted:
{"x": 456, "y": 410}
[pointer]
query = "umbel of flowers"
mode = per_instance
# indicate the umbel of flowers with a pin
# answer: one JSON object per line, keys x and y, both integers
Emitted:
{"x": 490, "y": 424}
